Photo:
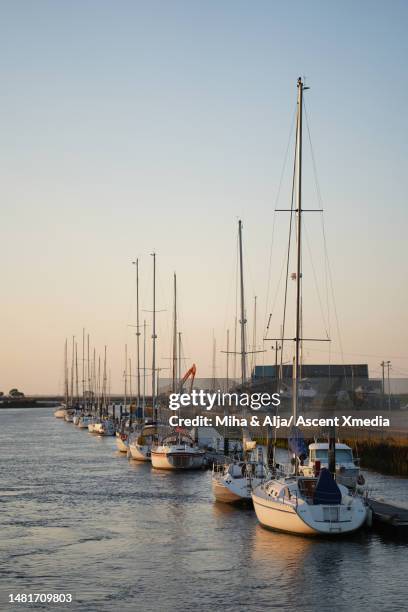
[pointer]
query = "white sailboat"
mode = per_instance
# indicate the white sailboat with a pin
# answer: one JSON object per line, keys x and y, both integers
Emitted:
{"x": 233, "y": 481}
{"x": 177, "y": 451}
{"x": 300, "y": 504}
{"x": 140, "y": 443}
{"x": 61, "y": 412}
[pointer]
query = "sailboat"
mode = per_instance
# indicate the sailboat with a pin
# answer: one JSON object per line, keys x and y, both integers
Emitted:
{"x": 141, "y": 441}
{"x": 61, "y": 412}
{"x": 233, "y": 481}
{"x": 301, "y": 504}
{"x": 177, "y": 451}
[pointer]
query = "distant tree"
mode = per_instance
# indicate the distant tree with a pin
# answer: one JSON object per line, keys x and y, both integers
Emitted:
{"x": 15, "y": 393}
{"x": 1, "y": 393}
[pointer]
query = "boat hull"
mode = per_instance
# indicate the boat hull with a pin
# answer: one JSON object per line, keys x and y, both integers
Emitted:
{"x": 140, "y": 452}
{"x": 305, "y": 520}
{"x": 121, "y": 445}
{"x": 60, "y": 413}
{"x": 177, "y": 460}
{"x": 224, "y": 494}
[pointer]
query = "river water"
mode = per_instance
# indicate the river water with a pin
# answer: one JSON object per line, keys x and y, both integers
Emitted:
{"x": 77, "y": 517}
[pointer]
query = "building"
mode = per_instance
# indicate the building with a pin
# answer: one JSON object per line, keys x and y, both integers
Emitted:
{"x": 358, "y": 372}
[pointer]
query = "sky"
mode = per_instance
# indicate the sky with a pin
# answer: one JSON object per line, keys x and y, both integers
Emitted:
{"x": 130, "y": 127}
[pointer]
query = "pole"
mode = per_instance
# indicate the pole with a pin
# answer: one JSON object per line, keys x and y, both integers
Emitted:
{"x": 154, "y": 337}
{"x": 243, "y": 320}
{"x": 144, "y": 370}
{"x": 89, "y": 373}
{"x": 137, "y": 333}
{"x": 72, "y": 370}
{"x": 253, "y": 360}
{"x": 174, "y": 373}
{"x": 179, "y": 355}
{"x": 83, "y": 364}
{"x": 389, "y": 386}
{"x": 382, "y": 364}
{"x": 76, "y": 374}
{"x": 125, "y": 375}
{"x": 227, "y": 355}
{"x": 296, "y": 364}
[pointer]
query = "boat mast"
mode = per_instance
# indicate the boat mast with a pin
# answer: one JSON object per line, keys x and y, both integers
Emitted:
{"x": 175, "y": 336}
{"x": 76, "y": 375}
{"x": 125, "y": 375}
{"x": 296, "y": 364}
{"x": 243, "y": 320}
{"x": 179, "y": 356}
{"x": 88, "y": 397}
{"x": 83, "y": 365}
{"x": 154, "y": 337}
{"x": 144, "y": 371}
{"x": 137, "y": 334}
{"x": 72, "y": 370}
{"x": 104, "y": 392}
{"x": 66, "y": 373}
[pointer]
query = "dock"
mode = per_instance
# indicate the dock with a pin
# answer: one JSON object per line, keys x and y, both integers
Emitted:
{"x": 389, "y": 514}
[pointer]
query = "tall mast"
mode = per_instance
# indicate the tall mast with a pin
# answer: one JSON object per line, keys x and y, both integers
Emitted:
{"x": 76, "y": 374}
{"x": 130, "y": 387}
{"x": 227, "y": 355}
{"x": 125, "y": 375}
{"x": 104, "y": 390}
{"x": 296, "y": 364}
{"x": 66, "y": 392}
{"x": 243, "y": 320}
{"x": 88, "y": 372}
{"x": 179, "y": 356}
{"x": 144, "y": 370}
{"x": 94, "y": 375}
{"x": 72, "y": 369}
{"x": 253, "y": 360}
{"x": 83, "y": 364}
{"x": 154, "y": 337}
{"x": 98, "y": 387}
{"x": 137, "y": 333}
{"x": 175, "y": 336}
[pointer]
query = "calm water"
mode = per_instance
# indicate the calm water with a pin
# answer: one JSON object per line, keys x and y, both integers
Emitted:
{"x": 78, "y": 517}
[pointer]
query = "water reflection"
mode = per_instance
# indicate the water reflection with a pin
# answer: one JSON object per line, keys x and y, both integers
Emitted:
{"x": 123, "y": 536}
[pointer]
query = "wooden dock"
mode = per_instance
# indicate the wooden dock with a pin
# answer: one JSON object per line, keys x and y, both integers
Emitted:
{"x": 389, "y": 514}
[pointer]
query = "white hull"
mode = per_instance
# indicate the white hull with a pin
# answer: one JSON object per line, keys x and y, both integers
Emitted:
{"x": 177, "y": 459}
{"x": 60, "y": 413}
{"x": 230, "y": 491}
{"x": 140, "y": 452}
{"x": 121, "y": 445}
{"x": 306, "y": 519}
{"x": 84, "y": 422}
{"x": 224, "y": 494}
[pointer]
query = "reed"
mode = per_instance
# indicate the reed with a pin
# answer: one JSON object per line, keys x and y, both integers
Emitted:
{"x": 389, "y": 456}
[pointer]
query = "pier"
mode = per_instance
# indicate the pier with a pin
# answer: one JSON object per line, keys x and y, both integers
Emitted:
{"x": 389, "y": 514}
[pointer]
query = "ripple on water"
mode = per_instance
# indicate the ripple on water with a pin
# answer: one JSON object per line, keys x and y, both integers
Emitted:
{"x": 79, "y": 518}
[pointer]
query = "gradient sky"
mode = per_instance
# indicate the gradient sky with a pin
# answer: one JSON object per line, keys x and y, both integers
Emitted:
{"x": 130, "y": 126}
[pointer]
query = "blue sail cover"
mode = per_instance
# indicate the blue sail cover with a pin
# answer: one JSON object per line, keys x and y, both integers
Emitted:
{"x": 326, "y": 492}
{"x": 297, "y": 443}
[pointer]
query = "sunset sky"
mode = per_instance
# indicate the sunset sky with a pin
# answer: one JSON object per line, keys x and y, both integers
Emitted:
{"x": 131, "y": 126}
